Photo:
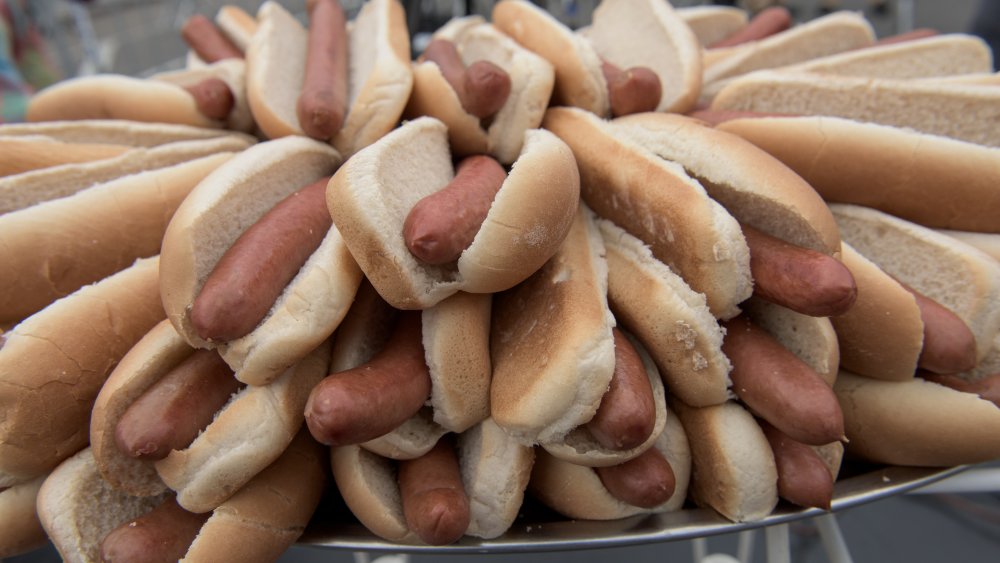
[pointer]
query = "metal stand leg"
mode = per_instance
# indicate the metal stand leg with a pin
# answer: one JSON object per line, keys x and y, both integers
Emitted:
{"x": 778, "y": 547}
{"x": 833, "y": 540}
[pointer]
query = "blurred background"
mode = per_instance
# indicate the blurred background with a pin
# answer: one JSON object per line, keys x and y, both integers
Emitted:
{"x": 55, "y": 39}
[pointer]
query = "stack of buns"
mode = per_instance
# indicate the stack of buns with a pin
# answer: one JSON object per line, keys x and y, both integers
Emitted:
{"x": 688, "y": 271}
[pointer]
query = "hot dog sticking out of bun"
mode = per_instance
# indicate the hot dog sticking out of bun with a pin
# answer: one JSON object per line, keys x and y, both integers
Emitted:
{"x": 512, "y": 233}
{"x": 227, "y": 37}
{"x": 485, "y": 87}
{"x": 470, "y": 484}
{"x": 769, "y": 21}
{"x": 711, "y": 24}
{"x": 89, "y": 520}
{"x": 659, "y": 69}
{"x": 171, "y": 416}
{"x": 252, "y": 264}
{"x": 346, "y": 84}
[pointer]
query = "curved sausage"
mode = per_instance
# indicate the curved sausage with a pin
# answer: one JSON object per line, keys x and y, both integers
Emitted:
{"x": 252, "y": 274}
{"x": 627, "y": 413}
{"x": 322, "y": 103}
{"x": 800, "y": 279}
{"x": 208, "y": 41}
{"x": 212, "y": 97}
{"x": 803, "y": 478}
{"x": 988, "y": 387}
{"x": 949, "y": 345}
{"x": 443, "y": 224}
{"x": 766, "y": 23}
{"x": 162, "y": 535}
{"x": 633, "y": 90}
{"x": 779, "y": 387}
{"x": 170, "y": 414}
{"x": 645, "y": 481}
{"x": 435, "y": 504}
{"x": 363, "y": 403}
{"x": 482, "y": 88}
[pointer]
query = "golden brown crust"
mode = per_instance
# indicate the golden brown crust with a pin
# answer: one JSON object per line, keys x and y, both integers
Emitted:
{"x": 21, "y": 532}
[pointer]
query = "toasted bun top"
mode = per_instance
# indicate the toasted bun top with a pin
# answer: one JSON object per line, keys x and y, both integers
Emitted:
{"x": 579, "y": 81}
{"x": 956, "y": 275}
{"x": 659, "y": 39}
{"x": 559, "y": 314}
{"x": 370, "y": 196}
{"x": 882, "y": 334}
{"x": 711, "y": 24}
{"x": 117, "y": 97}
{"x": 916, "y": 422}
{"x": 661, "y": 310}
{"x": 755, "y": 187}
{"x": 916, "y": 176}
{"x": 659, "y": 203}
{"x": 53, "y": 364}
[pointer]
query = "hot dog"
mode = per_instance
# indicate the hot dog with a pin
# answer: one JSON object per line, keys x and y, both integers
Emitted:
{"x": 207, "y": 41}
{"x": 435, "y": 504}
{"x": 213, "y": 98}
{"x": 485, "y": 87}
{"x": 632, "y": 90}
{"x": 949, "y": 346}
{"x": 646, "y": 480}
{"x": 163, "y": 534}
{"x": 518, "y": 235}
{"x": 712, "y": 23}
{"x": 763, "y": 24}
{"x": 322, "y": 102}
{"x": 803, "y": 477}
{"x": 300, "y": 311}
{"x": 627, "y": 413}
{"x": 665, "y": 47}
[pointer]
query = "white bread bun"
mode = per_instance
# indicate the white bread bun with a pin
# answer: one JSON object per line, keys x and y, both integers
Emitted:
{"x": 21, "y": 532}
{"x": 216, "y": 213}
{"x": 367, "y": 483}
{"x": 25, "y": 153}
{"x": 658, "y": 202}
{"x": 52, "y": 249}
{"x": 756, "y": 188}
{"x": 114, "y": 132}
{"x": 531, "y": 83}
{"x": 916, "y": 176}
{"x": 236, "y": 24}
{"x": 916, "y": 422}
{"x": 882, "y": 334}
{"x": 711, "y": 24}
{"x": 31, "y": 188}
{"x": 987, "y": 242}
{"x": 733, "y": 469}
{"x": 370, "y": 196}
{"x": 671, "y": 320}
{"x": 811, "y": 339}
{"x": 230, "y": 71}
{"x": 658, "y": 39}
{"x": 579, "y": 81}
{"x": 576, "y": 491}
{"x": 276, "y": 60}
{"x": 956, "y": 275}
{"x": 53, "y": 364}
{"x": 560, "y": 314}
{"x": 580, "y": 447}
{"x": 961, "y": 111}
{"x": 826, "y": 35}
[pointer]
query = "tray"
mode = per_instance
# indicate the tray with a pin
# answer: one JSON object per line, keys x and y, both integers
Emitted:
{"x": 538, "y": 529}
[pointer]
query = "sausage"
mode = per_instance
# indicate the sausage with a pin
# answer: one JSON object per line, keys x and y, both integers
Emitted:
{"x": 803, "y": 478}
{"x": 363, "y": 403}
{"x": 251, "y": 275}
{"x": 435, "y": 504}
{"x": 208, "y": 41}
{"x": 163, "y": 534}
{"x": 779, "y": 387}
{"x": 766, "y": 23}
{"x": 443, "y": 224}
{"x": 482, "y": 88}
{"x": 949, "y": 345}
{"x": 170, "y": 414}
{"x": 988, "y": 387}
{"x": 322, "y": 103}
{"x": 645, "y": 481}
{"x": 632, "y": 90}
{"x": 627, "y": 413}
{"x": 800, "y": 279}
{"x": 212, "y": 97}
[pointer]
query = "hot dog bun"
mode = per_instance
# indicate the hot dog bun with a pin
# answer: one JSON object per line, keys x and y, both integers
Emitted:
{"x": 236, "y": 24}
{"x": 22, "y": 532}
{"x": 703, "y": 244}
{"x": 987, "y": 242}
{"x": 495, "y": 472}
{"x": 76, "y": 341}
{"x": 370, "y": 196}
{"x": 713, "y": 23}
{"x": 54, "y": 248}
{"x": 113, "y": 132}
{"x": 29, "y": 152}
{"x": 898, "y": 171}
{"x": 216, "y": 213}
{"x": 531, "y": 79}
{"x": 380, "y": 77}
{"x": 812, "y": 339}
{"x": 258, "y": 523}
{"x": 230, "y": 71}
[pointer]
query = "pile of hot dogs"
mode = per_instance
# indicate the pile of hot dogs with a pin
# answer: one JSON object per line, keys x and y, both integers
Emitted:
{"x": 531, "y": 261}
